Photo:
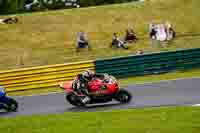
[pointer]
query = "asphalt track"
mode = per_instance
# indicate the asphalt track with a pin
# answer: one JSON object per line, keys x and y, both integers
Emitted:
{"x": 164, "y": 93}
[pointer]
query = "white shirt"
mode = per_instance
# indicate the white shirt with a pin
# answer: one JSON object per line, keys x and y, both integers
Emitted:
{"x": 1, "y": 21}
{"x": 161, "y": 33}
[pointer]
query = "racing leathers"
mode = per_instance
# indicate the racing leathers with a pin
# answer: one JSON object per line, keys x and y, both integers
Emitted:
{"x": 2, "y": 92}
{"x": 80, "y": 84}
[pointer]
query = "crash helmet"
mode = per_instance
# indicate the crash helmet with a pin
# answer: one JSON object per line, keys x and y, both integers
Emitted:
{"x": 2, "y": 89}
{"x": 88, "y": 74}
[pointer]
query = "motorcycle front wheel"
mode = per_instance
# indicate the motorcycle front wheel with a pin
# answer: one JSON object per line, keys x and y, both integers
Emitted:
{"x": 74, "y": 100}
{"x": 12, "y": 105}
{"x": 123, "y": 96}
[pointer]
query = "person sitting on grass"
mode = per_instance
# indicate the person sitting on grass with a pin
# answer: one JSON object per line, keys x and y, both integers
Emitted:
{"x": 130, "y": 36}
{"x": 9, "y": 20}
{"x": 82, "y": 41}
{"x": 116, "y": 42}
{"x": 139, "y": 52}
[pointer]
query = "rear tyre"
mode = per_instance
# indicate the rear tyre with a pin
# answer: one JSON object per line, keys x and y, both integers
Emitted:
{"x": 74, "y": 100}
{"x": 123, "y": 96}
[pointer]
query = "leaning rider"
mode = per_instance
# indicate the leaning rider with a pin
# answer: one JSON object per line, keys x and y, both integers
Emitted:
{"x": 2, "y": 92}
{"x": 81, "y": 83}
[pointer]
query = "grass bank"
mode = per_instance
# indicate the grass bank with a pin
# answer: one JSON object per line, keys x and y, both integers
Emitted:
{"x": 151, "y": 120}
{"x": 49, "y": 37}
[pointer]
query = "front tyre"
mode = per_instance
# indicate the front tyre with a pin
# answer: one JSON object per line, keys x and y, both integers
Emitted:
{"x": 12, "y": 105}
{"x": 74, "y": 100}
{"x": 123, "y": 96}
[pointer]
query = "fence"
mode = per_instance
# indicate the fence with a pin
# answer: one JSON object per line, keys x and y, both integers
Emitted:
{"x": 46, "y": 76}
{"x": 39, "y": 77}
{"x": 149, "y": 63}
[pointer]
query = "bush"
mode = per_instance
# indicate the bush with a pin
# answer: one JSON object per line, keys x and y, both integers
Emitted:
{"x": 85, "y": 3}
{"x": 8, "y": 6}
{"x": 13, "y": 6}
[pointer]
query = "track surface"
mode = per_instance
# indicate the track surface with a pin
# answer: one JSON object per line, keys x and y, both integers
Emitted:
{"x": 165, "y": 93}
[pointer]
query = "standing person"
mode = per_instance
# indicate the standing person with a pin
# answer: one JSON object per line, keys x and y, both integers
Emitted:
{"x": 153, "y": 34}
{"x": 82, "y": 40}
{"x": 153, "y": 31}
{"x": 161, "y": 33}
{"x": 170, "y": 31}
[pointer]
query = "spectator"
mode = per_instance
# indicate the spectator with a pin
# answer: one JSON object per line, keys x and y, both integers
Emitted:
{"x": 82, "y": 41}
{"x": 139, "y": 52}
{"x": 130, "y": 36}
{"x": 116, "y": 42}
{"x": 161, "y": 32}
{"x": 9, "y": 20}
{"x": 1, "y": 21}
{"x": 153, "y": 31}
{"x": 170, "y": 31}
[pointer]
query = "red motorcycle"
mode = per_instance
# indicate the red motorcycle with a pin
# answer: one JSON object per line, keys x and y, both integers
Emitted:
{"x": 100, "y": 91}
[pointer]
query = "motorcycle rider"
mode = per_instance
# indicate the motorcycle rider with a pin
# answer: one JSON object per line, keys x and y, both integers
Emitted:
{"x": 80, "y": 84}
{"x": 2, "y": 92}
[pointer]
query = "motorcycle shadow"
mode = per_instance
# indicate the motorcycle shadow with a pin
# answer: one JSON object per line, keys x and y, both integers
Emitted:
{"x": 97, "y": 107}
{"x": 4, "y": 113}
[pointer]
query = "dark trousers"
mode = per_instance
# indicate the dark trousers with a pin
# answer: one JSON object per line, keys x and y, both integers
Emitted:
{"x": 118, "y": 44}
{"x": 83, "y": 45}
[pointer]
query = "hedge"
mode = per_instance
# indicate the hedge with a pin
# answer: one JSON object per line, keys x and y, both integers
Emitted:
{"x": 8, "y": 6}
{"x": 84, "y": 3}
{"x": 14, "y": 6}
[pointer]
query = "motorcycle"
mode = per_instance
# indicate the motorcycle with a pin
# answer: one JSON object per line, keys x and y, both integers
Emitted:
{"x": 100, "y": 91}
{"x": 7, "y": 103}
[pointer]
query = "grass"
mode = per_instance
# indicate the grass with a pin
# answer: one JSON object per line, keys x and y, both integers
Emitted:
{"x": 49, "y": 37}
{"x": 151, "y": 120}
{"x": 123, "y": 82}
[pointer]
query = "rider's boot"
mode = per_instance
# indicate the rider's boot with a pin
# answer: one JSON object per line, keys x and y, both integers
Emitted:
{"x": 86, "y": 99}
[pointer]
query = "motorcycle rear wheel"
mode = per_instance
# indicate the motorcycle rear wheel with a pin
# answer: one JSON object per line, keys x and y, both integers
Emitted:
{"x": 123, "y": 96}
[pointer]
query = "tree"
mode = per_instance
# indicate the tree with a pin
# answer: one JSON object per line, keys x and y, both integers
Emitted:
{"x": 8, "y": 6}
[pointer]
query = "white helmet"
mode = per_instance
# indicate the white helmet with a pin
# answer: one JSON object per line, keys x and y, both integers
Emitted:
{"x": 88, "y": 74}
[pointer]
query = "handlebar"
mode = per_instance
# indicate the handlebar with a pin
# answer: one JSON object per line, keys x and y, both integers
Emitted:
{"x": 110, "y": 80}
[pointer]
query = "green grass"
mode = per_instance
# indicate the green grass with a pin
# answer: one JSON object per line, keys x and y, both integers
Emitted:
{"x": 151, "y": 120}
{"x": 123, "y": 82}
{"x": 49, "y": 37}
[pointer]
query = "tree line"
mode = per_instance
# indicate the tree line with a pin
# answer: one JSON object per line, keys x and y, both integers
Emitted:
{"x": 15, "y": 6}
